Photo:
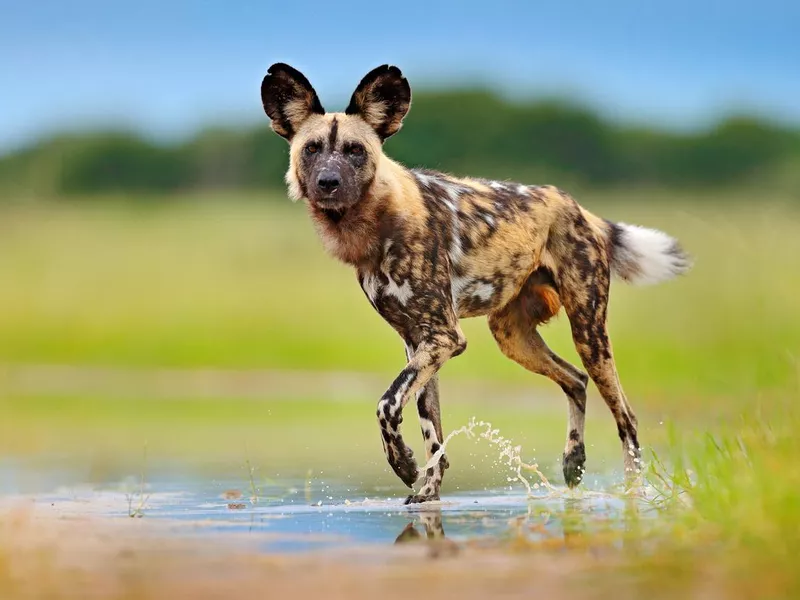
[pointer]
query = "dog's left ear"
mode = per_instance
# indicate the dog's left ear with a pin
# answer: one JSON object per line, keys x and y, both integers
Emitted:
{"x": 382, "y": 99}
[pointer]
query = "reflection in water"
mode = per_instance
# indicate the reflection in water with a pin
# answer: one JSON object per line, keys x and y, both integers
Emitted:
{"x": 573, "y": 523}
{"x": 294, "y": 517}
{"x": 437, "y": 544}
{"x": 431, "y": 519}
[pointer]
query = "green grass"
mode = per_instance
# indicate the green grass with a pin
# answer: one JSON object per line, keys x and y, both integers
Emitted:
{"x": 247, "y": 285}
{"x": 731, "y": 508}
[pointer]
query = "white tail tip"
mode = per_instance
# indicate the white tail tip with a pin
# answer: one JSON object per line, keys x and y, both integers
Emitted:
{"x": 643, "y": 256}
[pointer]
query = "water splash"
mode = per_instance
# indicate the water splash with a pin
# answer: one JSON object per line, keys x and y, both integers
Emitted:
{"x": 509, "y": 453}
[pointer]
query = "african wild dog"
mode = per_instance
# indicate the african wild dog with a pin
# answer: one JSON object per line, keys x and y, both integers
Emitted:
{"x": 430, "y": 248}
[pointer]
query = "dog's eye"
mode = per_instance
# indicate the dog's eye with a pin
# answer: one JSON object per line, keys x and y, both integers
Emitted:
{"x": 312, "y": 148}
{"x": 355, "y": 150}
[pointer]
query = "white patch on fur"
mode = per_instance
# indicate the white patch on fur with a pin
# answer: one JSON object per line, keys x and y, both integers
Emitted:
{"x": 401, "y": 392}
{"x": 457, "y": 286}
{"x": 646, "y": 256}
{"x": 431, "y": 438}
{"x": 403, "y": 292}
{"x": 484, "y": 291}
{"x": 293, "y": 185}
{"x": 450, "y": 198}
{"x": 456, "y": 252}
{"x": 496, "y": 185}
{"x": 371, "y": 288}
{"x": 464, "y": 287}
{"x": 424, "y": 179}
{"x": 489, "y": 219}
{"x": 453, "y": 190}
{"x": 522, "y": 190}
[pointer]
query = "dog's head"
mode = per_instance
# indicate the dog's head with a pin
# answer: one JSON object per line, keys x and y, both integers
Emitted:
{"x": 334, "y": 156}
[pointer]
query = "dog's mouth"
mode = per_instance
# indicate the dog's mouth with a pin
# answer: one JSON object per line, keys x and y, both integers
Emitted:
{"x": 332, "y": 208}
{"x": 334, "y": 215}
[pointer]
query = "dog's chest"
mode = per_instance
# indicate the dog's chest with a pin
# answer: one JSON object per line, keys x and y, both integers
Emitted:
{"x": 408, "y": 290}
{"x": 392, "y": 299}
{"x": 411, "y": 285}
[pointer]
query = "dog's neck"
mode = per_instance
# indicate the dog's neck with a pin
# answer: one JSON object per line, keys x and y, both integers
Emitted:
{"x": 354, "y": 236}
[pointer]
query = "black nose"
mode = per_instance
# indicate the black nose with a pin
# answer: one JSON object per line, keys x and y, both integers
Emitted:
{"x": 328, "y": 182}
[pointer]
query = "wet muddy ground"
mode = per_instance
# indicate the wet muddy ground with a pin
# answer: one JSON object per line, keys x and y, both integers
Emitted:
{"x": 296, "y": 516}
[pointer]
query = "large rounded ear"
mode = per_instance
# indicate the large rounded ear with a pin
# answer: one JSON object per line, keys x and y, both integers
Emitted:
{"x": 382, "y": 99}
{"x": 288, "y": 99}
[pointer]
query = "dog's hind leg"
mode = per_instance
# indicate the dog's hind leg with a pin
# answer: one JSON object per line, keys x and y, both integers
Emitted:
{"x": 583, "y": 284}
{"x": 514, "y": 329}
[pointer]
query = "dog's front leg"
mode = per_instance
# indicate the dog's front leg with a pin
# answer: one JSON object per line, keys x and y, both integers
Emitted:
{"x": 430, "y": 420}
{"x": 428, "y": 358}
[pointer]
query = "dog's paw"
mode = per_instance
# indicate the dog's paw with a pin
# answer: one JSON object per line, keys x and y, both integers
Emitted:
{"x": 405, "y": 467}
{"x": 427, "y": 493}
{"x": 573, "y": 464}
{"x": 420, "y": 498}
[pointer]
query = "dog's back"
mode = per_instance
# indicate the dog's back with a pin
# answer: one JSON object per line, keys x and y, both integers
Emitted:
{"x": 497, "y": 235}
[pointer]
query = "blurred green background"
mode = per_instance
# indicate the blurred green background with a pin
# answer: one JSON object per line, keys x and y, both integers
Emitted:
{"x": 157, "y": 286}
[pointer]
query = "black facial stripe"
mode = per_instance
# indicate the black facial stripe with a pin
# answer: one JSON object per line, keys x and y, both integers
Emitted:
{"x": 333, "y": 134}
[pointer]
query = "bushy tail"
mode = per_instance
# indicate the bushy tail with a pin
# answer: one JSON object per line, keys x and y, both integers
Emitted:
{"x": 643, "y": 256}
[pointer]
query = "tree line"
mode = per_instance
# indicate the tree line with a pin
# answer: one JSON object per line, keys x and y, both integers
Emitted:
{"x": 470, "y": 132}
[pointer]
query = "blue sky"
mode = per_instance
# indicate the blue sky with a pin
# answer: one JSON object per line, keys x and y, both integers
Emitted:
{"x": 169, "y": 67}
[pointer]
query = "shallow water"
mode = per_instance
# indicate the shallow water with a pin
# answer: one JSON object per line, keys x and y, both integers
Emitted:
{"x": 302, "y": 516}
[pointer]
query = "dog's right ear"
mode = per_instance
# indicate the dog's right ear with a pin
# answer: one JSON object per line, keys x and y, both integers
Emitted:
{"x": 288, "y": 99}
{"x": 382, "y": 99}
